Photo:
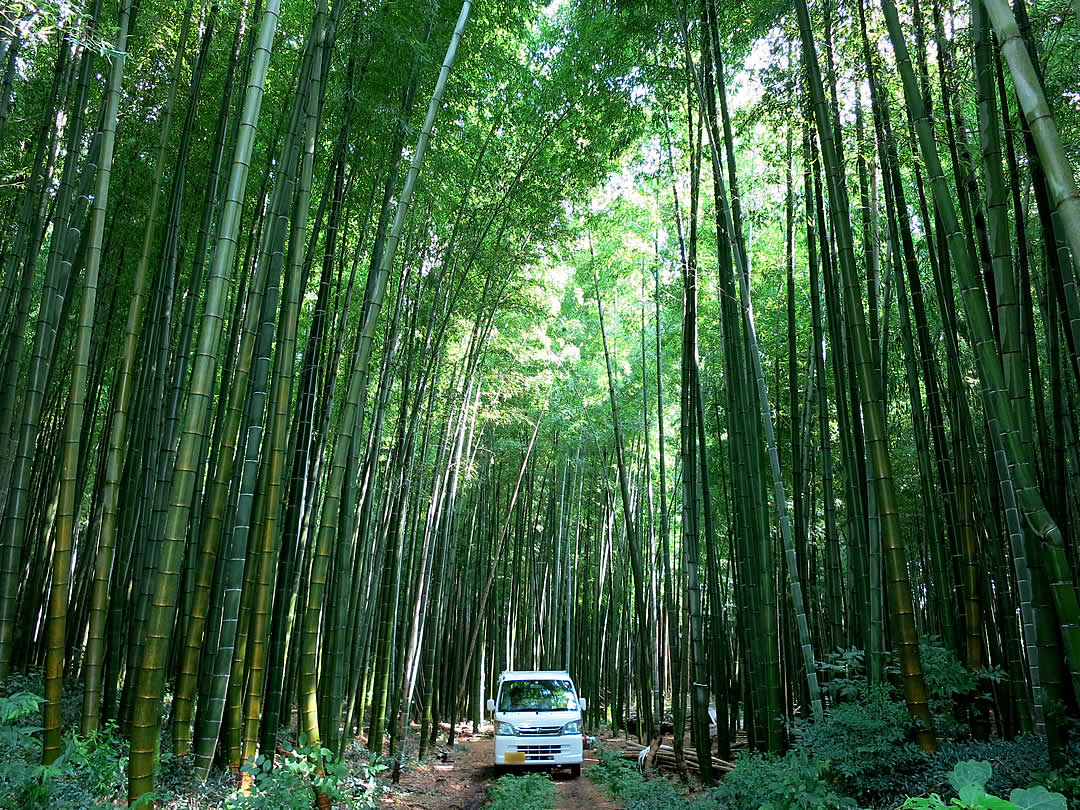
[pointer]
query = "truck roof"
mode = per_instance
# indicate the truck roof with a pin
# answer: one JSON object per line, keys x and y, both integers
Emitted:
{"x": 534, "y": 675}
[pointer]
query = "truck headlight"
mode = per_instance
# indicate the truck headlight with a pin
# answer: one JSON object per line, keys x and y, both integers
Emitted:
{"x": 505, "y": 730}
{"x": 573, "y": 727}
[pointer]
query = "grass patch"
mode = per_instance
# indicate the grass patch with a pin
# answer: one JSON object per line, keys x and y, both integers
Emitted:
{"x": 634, "y": 792}
{"x": 792, "y": 782}
{"x": 529, "y": 791}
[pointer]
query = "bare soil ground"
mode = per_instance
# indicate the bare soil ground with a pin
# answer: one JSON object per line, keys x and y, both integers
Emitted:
{"x": 581, "y": 793}
{"x": 459, "y": 782}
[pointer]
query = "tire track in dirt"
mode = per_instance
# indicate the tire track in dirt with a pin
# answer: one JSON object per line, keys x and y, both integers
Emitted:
{"x": 455, "y": 781}
{"x": 459, "y": 780}
{"x": 581, "y": 793}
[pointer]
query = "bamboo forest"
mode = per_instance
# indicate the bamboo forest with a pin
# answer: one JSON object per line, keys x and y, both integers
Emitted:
{"x": 713, "y": 363}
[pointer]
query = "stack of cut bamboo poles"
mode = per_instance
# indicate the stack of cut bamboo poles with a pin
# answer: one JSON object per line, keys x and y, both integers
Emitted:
{"x": 663, "y": 756}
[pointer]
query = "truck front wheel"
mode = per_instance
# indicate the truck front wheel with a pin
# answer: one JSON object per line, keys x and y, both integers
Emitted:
{"x": 575, "y": 770}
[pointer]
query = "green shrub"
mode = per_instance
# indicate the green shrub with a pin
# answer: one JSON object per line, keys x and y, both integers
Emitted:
{"x": 792, "y": 782}
{"x": 949, "y": 682}
{"x": 843, "y": 674}
{"x": 866, "y": 745}
{"x": 32, "y": 681}
{"x": 969, "y": 780}
{"x": 615, "y": 772}
{"x": 866, "y": 732}
{"x": 528, "y": 791}
{"x": 1014, "y": 761}
{"x": 943, "y": 672}
{"x": 1064, "y": 779}
{"x": 290, "y": 781}
{"x": 89, "y": 772}
{"x": 635, "y": 792}
{"x": 23, "y": 782}
{"x": 100, "y": 760}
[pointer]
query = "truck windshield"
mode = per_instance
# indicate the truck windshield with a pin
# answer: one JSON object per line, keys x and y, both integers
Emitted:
{"x": 539, "y": 696}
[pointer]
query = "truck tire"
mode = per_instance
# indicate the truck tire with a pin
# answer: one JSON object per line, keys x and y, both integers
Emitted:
{"x": 575, "y": 770}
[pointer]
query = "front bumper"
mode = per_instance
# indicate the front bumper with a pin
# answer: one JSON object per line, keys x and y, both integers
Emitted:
{"x": 565, "y": 749}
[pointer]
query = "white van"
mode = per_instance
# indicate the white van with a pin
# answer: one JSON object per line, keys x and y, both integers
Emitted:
{"x": 537, "y": 718}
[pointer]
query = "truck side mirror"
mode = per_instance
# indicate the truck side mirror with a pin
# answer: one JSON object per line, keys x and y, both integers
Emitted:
{"x": 491, "y": 704}
{"x": 581, "y": 703}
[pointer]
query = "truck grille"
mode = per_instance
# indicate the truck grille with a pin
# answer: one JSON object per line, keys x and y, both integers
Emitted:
{"x": 541, "y": 731}
{"x": 540, "y": 753}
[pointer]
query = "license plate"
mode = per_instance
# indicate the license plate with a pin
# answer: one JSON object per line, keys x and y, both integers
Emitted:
{"x": 514, "y": 757}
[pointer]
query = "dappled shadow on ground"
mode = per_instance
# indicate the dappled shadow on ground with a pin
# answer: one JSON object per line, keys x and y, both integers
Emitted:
{"x": 453, "y": 780}
{"x": 458, "y": 778}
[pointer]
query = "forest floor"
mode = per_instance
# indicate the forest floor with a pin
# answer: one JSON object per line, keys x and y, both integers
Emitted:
{"x": 460, "y": 783}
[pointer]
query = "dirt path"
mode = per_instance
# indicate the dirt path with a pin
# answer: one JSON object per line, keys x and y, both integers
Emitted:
{"x": 455, "y": 780}
{"x": 458, "y": 782}
{"x": 581, "y": 793}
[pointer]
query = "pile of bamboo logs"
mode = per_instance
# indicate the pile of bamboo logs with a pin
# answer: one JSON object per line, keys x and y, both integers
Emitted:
{"x": 659, "y": 755}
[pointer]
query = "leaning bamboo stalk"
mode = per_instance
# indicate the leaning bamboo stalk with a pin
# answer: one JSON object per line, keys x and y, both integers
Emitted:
{"x": 485, "y": 595}
{"x": 15, "y": 313}
{"x": 994, "y": 391}
{"x": 328, "y": 526}
{"x": 266, "y": 534}
{"x": 1060, "y": 177}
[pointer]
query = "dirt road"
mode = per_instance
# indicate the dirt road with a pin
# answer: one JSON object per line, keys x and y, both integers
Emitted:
{"x": 581, "y": 793}
{"x": 459, "y": 782}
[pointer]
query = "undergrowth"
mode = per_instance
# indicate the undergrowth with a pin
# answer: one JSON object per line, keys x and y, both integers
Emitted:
{"x": 792, "y": 782}
{"x": 634, "y": 792}
{"x": 866, "y": 737}
{"x": 92, "y": 771}
{"x": 969, "y": 780}
{"x": 862, "y": 754}
{"x": 1065, "y": 778}
{"x": 866, "y": 745}
{"x": 295, "y": 777}
{"x": 527, "y": 791}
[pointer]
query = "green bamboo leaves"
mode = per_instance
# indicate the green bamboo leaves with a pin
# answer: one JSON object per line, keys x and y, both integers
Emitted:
{"x": 318, "y": 445}
{"x": 1060, "y": 175}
